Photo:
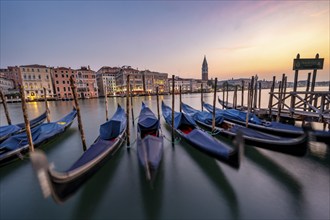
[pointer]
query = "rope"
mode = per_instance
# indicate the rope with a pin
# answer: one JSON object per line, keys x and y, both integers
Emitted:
{"x": 214, "y": 132}
{"x": 176, "y": 140}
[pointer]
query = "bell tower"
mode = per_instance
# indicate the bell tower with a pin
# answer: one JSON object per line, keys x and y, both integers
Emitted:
{"x": 205, "y": 71}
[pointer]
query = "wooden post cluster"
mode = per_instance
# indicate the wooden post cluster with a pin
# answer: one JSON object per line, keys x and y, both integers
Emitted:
{"x": 80, "y": 126}
{"x": 4, "y": 102}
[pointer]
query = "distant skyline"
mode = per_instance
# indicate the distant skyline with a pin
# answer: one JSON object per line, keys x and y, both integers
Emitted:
{"x": 238, "y": 38}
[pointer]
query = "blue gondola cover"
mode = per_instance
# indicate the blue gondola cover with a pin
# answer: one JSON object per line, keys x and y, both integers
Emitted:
{"x": 112, "y": 128}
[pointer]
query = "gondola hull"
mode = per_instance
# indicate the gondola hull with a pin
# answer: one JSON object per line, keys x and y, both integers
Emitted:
{"x": 150, "y": 142}
{"x": 17, "y": 145}
{"x": 203, "y": 141}
{"x": 62, "y": 185}
{"x": 10, "y": 130}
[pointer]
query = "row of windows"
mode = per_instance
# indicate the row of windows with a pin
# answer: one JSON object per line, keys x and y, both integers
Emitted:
{"x": 63, "y": 82}
{"x": 37, "y": 92}
{"x": 32, "y": 70}
{"x": 64, "y": 89}
{"x": 63, "y": 71}
{"x": 33, "y": 77}
{"x": 66, "y": 75}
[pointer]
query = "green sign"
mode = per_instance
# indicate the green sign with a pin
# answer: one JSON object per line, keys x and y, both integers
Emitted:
{"x": 308, "y": 64}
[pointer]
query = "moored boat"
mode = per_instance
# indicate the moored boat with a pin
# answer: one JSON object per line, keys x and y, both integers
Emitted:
{"x": 150, "y": 142}
{"x": 186, "y": 127}
{"x": 17, "y": 145}
{"x": 294, "y": 146}
{"x": 62, "y": 184}
{"x": 9, "y": 130}
{"x": 271, "y": 127}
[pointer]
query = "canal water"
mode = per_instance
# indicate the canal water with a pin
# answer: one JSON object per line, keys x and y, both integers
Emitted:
{"x": 189, "y": 184}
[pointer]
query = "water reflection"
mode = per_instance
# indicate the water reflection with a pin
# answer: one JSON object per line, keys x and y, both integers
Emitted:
{"x": 319, "y": 153}
{"x": 279, "y": 173}
{"x": 94, "y": 189}
{"x": 217, "y": 177}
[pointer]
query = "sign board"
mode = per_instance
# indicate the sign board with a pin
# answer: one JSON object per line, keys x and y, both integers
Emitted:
{"x": 308, "y": 64}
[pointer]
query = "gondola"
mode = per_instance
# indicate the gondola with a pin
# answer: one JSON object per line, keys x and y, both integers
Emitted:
{"x": 17, "y": 145}
{"x": 150, "y": 142}
{"x": 271, "y": 127}
{"x": 228, "y": 105}
{"x": 9, "y": 130}
{"x": 294, "y": 146}
{"x": 62, "y": 184}
{"x": 186, "y": 127}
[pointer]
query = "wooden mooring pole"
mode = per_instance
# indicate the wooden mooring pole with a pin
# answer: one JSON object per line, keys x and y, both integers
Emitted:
{"x": 26, "y": 119}
{"x": 127, "y": 111}
{"x": 106, "y": 102}
{"x": 279, "y": 104}
{"x": 235, "y": 98}
{"x": 248, "y": 105}
{"x": 307, "y": 89}
{"x": 157, "y": 97}
{"x": 173, "y": 84}
{"x": 131, "y": 104}
{"x": 180, "y": 99}
{"x": 242, "y": 98}
{"x": 223, "y": 93}
{"x": 202, "y": 96}
{"x": 80, "y": 126}
{"x": 4, "y": 102}
{"x": 259, "y": 101}
{"x": 214, "y": 102}
{"x": 227, "y": 93}
{"x": 46, "y": 105}
{"x": 271, "y": 95}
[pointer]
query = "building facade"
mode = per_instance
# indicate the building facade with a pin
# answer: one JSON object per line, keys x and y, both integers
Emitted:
{"x": 34, "y": 79}
{"x": 61, "y": 82}
{"x": 86, "y": 83}
{"x": 151, "y": 80}
{"x": 12, "y": 73}
{"x": 106, "y": 76}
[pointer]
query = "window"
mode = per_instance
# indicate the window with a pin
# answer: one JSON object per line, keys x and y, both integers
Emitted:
{"x": 62, "y": 75}
{"x": 67, "y": 76}
{"x": 32, "y": 70}
{"x": 39, "y": 76}
{"x": 29, "y": 76}
{"x": 38, "y": 70}
{"x": 64, "y": 89}
{"x": 63, "y": 82}
{"x": 56, "y": 75}
{"x": 24, "y": 76}
{"x": 56, "y": 82}
{"x": 58, "y": 89}
{"x": 34, "y": 77}
{"x": 69, "y": 89}
{"x": 47, "y": 77}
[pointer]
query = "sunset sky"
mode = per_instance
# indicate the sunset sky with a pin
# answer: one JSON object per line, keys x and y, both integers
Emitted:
{"x": 239, "y": 38}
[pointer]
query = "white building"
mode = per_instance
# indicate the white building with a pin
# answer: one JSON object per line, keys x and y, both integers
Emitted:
{"x": 34, "y": 78}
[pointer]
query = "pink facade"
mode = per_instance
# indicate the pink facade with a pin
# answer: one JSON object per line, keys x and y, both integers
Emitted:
{"x": 61, "y": 79}
{"x": 86, "y": 83}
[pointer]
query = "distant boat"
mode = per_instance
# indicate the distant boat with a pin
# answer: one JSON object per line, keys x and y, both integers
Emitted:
{"x": 186, "y": 127}
{"x": 228, "y": 105}
{"x": 61, "y": 185}
{"x": 295, "y": 146}
{"x": 150, "y": 142}
{"x": 17, "y": 145}
{"x": 271, "y": 127}
{"x": 9, "y": 130}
